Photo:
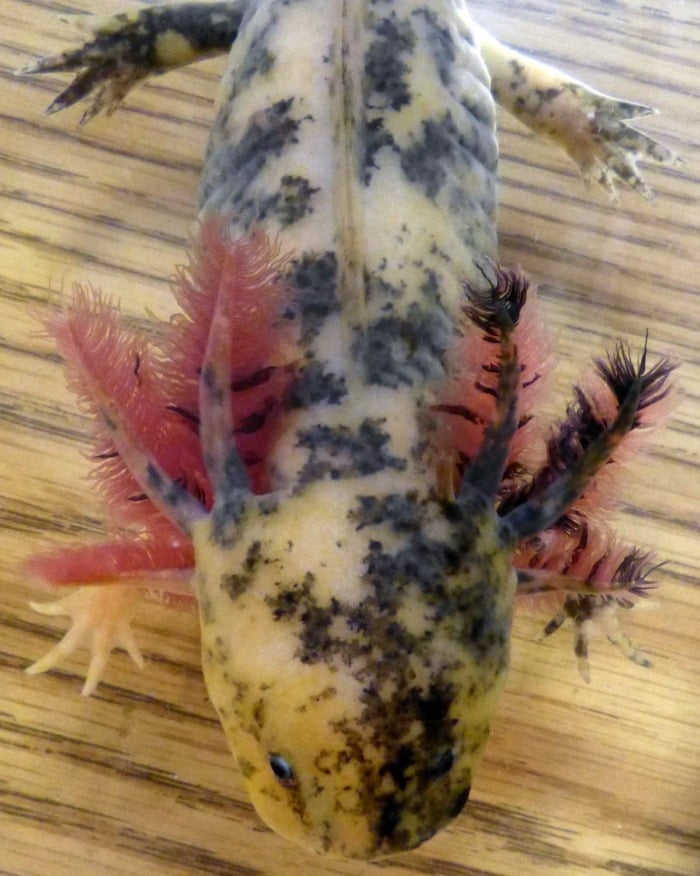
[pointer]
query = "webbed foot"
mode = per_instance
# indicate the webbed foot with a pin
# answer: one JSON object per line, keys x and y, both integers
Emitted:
{"x": 101, "y": 621}
{"x": 589, "y": 614}
{"x": 605, "y": 146}
{"x": 128, "y": 47}
{"x": 110, "y": 65}
{"x": 592, "y": 128}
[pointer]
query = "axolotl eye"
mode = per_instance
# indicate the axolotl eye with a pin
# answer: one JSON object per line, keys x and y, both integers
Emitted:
{"x": 442, "y": 764}
{"x": 283, "y": 770}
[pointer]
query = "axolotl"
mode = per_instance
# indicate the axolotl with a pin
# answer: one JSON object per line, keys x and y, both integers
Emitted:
{"x": 333, "y": 439}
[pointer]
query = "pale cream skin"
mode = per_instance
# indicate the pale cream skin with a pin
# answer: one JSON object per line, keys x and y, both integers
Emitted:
{"x": 355, "y": 659}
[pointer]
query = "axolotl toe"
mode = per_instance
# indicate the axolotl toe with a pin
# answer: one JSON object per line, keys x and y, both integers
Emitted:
{"x": 329, "y": 439}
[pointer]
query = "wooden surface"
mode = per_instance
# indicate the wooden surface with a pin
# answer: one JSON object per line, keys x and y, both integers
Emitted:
{"x": 599, "y": 779}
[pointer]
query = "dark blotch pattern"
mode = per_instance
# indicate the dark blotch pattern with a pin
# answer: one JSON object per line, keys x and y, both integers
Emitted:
{"x": 440, "y": 43}
{"x": 287, "y": 601}
{"x": 403, "y": 512}
{"x": 339, "y": 451}
{"x": 315, "y": 385}
{"x": 315, "y": 279}
{"x": 258, "y": 59}
{"x": 385, "y": 68}
{"x": 398, "y": 350}
{"x": 291, "y": 202}
{"x": 237, "y": 583}
{"x": 230, "y": 169}
{"x": 376, "y": 137}
{"x": 232, "y": 496}
{"x": 444, "y": 148}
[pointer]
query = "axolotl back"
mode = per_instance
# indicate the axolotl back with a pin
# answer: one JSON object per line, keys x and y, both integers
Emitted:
{"x": 354, "y": 579}
{"x": 355, "y": 631}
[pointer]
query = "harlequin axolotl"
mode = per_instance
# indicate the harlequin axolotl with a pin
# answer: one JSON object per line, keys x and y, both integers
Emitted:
{"x": 332, "y": 439}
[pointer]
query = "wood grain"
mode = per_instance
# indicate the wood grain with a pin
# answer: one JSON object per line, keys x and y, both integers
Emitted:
{"x": 598, "y": 779}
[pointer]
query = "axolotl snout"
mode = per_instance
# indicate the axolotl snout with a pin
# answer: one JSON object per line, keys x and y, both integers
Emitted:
{"x": 356, "y": 528}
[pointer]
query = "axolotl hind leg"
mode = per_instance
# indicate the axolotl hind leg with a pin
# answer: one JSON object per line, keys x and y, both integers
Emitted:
{"x": 128, "y": 47}
{"x": 592, "y": 128}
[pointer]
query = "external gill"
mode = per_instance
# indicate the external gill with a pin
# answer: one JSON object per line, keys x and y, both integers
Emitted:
{"x": 564, "y": 545}
{"x": 554, "y": 497}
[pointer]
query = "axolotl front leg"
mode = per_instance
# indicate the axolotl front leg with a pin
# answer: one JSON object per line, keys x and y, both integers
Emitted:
{"x": 591, "y": 127}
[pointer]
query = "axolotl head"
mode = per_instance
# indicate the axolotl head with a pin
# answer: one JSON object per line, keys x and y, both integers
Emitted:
{"x": 355, "y": 647}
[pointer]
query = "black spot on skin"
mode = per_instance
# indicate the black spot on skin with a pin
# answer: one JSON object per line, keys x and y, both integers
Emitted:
{"x": 399, "y": 350}
{"x": 396, "y": 768}
{"x": 258, "y": 712}
{"x": 389, "y": 819}
{"x": 376, "y": 137}
{"x": 231, "y": 168}
{"x": 418, "y": 738}
{"x": 444, "y": 149}
{"x": 316, "y": 386}
{"x": 379, "y": 289}
{"x": 482, "y": 113}
{"x": 441, "y": 766}
{"x": 314, "y": 278}
{"x": 237, "y": 583}
{"x": 287, "y": 602}
{"x": 154, "y": 477}
{"x": 248, "y": 769}
{"x": 209, "y": 380}
{"x": 317, "y": 643}
{"x": 385, "y": 84}
{"x": 339, "y": 451}
{"x": 258, "y": 60}
{"x": 291, "y": 202}
{"x": 468, "y": 611}
{"x": 232, "y": 496}
{"x": 432, "y": 709}
{"x": 298, "y": 603}
{"x": 403, "y": 512}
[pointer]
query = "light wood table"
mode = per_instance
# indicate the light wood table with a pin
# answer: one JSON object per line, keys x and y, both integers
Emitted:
{"x": 578, "y": 779}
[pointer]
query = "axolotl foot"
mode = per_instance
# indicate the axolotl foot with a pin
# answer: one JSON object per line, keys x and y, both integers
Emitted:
{"x": 100, "y": 620}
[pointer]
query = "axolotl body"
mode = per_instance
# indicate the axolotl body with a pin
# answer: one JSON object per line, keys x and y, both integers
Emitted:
{"x": 356, "y": 528}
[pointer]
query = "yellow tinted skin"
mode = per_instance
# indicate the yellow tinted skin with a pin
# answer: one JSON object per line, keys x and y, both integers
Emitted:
{"x": 355, "y": 671}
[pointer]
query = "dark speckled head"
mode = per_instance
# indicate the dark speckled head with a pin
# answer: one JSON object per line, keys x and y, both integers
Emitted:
{"x": 358, "y": 659}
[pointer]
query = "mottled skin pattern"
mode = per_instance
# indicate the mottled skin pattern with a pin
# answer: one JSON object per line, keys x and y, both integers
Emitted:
{"x": 356, "y": 621}
{"x": 380, "y": 639}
